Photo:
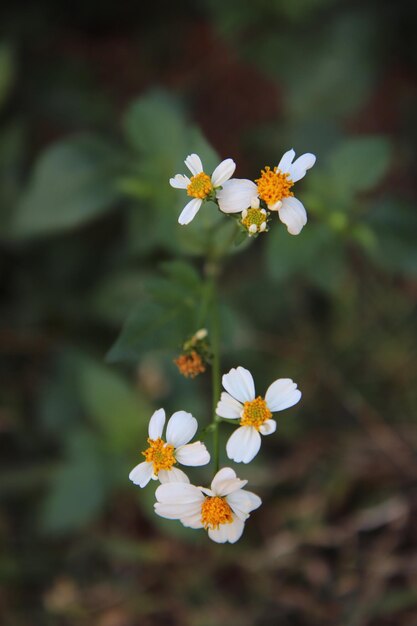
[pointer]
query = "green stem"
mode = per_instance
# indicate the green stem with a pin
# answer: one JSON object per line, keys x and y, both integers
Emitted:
{"x": 215, "y": 368}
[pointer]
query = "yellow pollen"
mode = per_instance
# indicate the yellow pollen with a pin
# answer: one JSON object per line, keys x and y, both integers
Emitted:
{"x": 190, "y": 365}
{"x": 160, "y": 454}
{"x": 200, "y": 186}
{"x": 215, "y": 511}
{"x": 273, "y": 185}
{"x": 254, "y": 217}
{"x": 255, "y": 413}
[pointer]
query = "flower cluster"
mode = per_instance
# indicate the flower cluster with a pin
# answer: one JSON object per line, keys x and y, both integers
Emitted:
{"x": 222, "y": 508}
{"x": 251, "y": 202}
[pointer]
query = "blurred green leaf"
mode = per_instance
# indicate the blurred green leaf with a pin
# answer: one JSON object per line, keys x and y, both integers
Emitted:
{"x": 394, "y": 223}
{"x": 315, "y": 254}
{"x": 121, "y": 413}
{"x": 164, "y": 318}
{"x": 359, "y": 163}
{"x": 72, "y": 182}
{"x": 162, "y": 137}
{"x": 77, "y": 488}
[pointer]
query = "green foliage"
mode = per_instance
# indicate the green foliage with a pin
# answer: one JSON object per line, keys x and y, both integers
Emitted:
{"x": 119, "y": 412}
{"x": 315, "y": 255}
{"x": 77, "y": 488}
{"x": 161, "y": 137}
{"x": 96, "y": 457}
{"x": 165, "y": 317}
{"x": 394, "y": 222}
{"x": 72, "y": 183}
{"x": 358, "y": 164}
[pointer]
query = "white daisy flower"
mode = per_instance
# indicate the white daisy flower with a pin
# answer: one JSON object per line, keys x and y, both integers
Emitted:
{"x": 200, "y": 186}
{"x": 221, "y": 510}
{"x": 255, "y": 413}
{"x": 274, "y": 188}
{"x": 161, "y": 456}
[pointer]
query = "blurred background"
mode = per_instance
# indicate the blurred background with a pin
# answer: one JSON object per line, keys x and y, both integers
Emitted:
{"x": 99, "y": 105}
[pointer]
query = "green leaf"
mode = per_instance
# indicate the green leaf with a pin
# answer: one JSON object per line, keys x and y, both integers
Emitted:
{"x": 72, "y": 182}
{"x": 394, "y": 223}
{"x": 316, "y": 254}
{"x": 119, "y": 411}
{"x": 166, "y": 318}
{"x": 359, "y": 163}
{"x": 78, "y": 487}
{"x": 162, "y": 137}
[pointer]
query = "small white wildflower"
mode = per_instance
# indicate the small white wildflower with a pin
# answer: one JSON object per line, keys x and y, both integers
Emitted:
{"x": 161, "y": 456}
{"x": 221, "y": 510}
{"x": 200, "y": 186}
{"x": 255, "y": 413}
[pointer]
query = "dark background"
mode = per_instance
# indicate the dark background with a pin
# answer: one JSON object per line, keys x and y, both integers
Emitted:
{"x": 99, "y": 105}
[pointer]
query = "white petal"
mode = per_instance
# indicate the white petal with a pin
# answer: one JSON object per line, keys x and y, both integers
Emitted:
{"x": 141, "y": 474}
{"x": 156, "y": 424}
{"x": 224, "y": 487}
{"x": 287, "y": 159}
{"x": 268, "y": 427}
{"x": 175, "y": 510}
{"x": 243, "y": 445}
{"x": 243, "y": 502}
{"x": 226, "y": 473}
{"x": 298, "y": 169}
{"x": 193, "y": 520}
{"x": 193, "y": 454}
{"x": 228, "y": 407}
{"x": 239, "y": 383}
{"x": 218, "y": 534}
{"x": 227, "y": 532}
{"x": 174, "y": 493}
{"x": 236, "y": 195}
{"x": 226, "y": 481}
{"x": 223, "y": 172}
{"x": 179, "y": 181}
{"x": 190, "y": 211}
{"x": 282, "y": 394}
{"x": 194, "y": 164}
{"x": 174, "y": 475}
{"x": 181, "y": 428}
{"x": 276, "y": 206}
{"x": 293, "y": 215}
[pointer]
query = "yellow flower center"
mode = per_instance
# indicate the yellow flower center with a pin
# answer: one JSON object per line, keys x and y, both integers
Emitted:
{"x": 160, "y": 454}
{"x": 215, "y": 511}
{"x": 200, "y": 186}
{"x": 254, "y": 218}
{"x": 255, "y": 413}
{"x": 274, "y": 185}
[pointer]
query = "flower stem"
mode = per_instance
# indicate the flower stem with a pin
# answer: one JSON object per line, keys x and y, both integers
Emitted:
{"x": 212, "y": 271}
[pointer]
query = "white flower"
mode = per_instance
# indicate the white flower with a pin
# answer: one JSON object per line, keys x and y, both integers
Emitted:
{"x": 273, "y": 187}
{"x": 200, "y": 186}
{"x": 255, "y": 413}
{"x": 161, "y": 456}
{"x": 222, "y": 509}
